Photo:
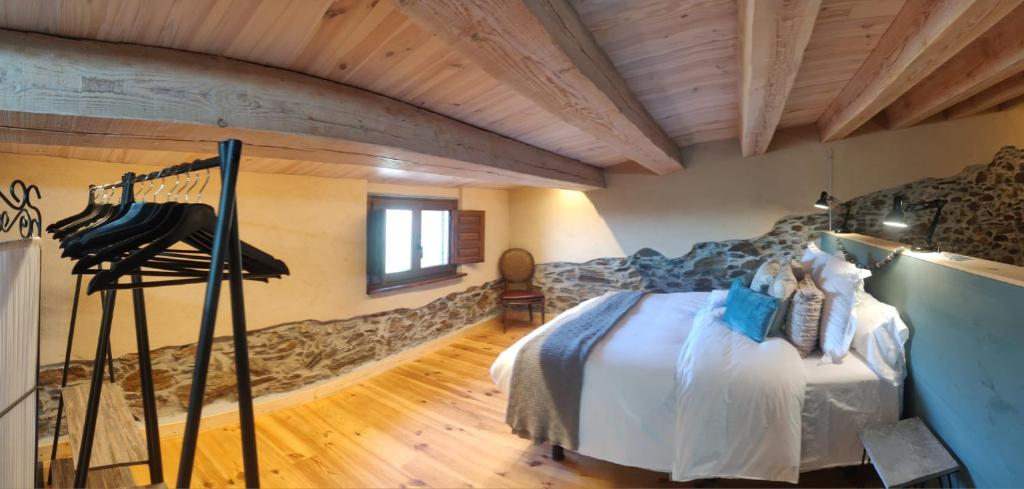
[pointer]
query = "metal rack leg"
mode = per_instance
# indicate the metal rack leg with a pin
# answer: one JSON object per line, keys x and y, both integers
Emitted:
{"x": 110, "y": 361}
{"x": 92, "y": 411}
{"x": 64, "y": 376}
{"x": 245, "y": 411}
{"x": 229, "y": 152}
{"x": 156, "y": 467}
{"x": 110, "y": 350}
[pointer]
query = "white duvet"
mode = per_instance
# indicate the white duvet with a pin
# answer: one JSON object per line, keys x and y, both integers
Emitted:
{"x": 629, "y": 403}
{"x": 738, "y": 404}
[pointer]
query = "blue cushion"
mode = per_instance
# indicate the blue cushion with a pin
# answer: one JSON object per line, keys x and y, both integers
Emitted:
{"x": 750, "y": 312}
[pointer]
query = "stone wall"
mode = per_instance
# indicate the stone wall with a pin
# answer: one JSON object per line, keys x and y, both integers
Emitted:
{"x": 285, "y": 357}
{"x": 983, "y": 219}
{"x": 708, "y": 266}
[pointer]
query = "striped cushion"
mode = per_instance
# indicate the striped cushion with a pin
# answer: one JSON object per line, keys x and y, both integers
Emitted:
{"x": 804, "y": 316}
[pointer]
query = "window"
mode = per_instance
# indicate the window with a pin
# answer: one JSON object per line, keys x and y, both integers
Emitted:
{"x": 409, "y": 242}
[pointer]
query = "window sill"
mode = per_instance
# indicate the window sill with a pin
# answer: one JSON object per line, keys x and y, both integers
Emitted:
{"x": 416, "y": 283}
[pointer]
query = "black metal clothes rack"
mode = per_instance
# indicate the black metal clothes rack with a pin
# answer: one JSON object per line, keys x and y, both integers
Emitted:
{"x": 67, "y": 365}
{"x": 225, "y": 252}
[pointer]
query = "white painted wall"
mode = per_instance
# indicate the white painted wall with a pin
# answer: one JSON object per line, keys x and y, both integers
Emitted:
{"x": 720, "y": 195}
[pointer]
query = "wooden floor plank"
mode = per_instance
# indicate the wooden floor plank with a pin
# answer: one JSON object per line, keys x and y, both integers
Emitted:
{"x": 433, "y": 421}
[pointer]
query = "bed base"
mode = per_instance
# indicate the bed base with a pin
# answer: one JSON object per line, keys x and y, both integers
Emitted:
{"x": 557, "y": 453}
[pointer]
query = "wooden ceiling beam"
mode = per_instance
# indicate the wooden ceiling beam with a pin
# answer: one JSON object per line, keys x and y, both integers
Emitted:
{"x": 993, "y": 57}
{"x": 773, "y": 35}
{"x": 922, "y": 37}
{"x": 60, "y": 91}
{"x": 991, "y": 97}
{"x": 541, "y": 49}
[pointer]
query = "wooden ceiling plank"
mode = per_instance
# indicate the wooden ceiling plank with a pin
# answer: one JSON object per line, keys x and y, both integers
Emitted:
{"x": 991, "y": 97}
{"x": 98, "y": 94}
{"x": 993, "y": 57}
{"x": 773, "y": 35}
{"x": 542, "y": 50}
{"x": 924, "y": 35}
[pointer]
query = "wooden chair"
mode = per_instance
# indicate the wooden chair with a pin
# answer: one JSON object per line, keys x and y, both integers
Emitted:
{"x": 516, "y": 266}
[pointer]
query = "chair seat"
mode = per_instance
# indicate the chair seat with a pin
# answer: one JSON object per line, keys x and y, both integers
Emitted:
{"x": 519, "y": 295}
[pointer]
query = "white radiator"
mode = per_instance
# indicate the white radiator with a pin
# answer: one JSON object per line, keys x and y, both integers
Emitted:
{"x": 19, "y": 350}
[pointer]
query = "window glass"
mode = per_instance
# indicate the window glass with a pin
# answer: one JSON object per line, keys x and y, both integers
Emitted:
{"x": 434, "y": 240}
{"x": 397, "y": 240}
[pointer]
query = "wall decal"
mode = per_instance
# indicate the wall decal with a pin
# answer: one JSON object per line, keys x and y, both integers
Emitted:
{"x": 22, "y": 211}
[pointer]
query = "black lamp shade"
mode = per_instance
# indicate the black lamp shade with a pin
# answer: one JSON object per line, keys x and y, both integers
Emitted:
{"x": 896, "y": 217}
{"x": 822, "y": 202}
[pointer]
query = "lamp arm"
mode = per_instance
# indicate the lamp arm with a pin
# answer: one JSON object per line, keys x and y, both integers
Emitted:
{"x": 837, "y": 201}
{"x": 936, "y": 204}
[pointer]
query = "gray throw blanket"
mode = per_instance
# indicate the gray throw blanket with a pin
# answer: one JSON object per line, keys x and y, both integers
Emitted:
{"x": 547, "y": 377}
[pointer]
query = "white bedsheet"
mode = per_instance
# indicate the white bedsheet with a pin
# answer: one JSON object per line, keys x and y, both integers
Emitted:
{"x": 627, "y": 407}
{"x": 840, "y": 400}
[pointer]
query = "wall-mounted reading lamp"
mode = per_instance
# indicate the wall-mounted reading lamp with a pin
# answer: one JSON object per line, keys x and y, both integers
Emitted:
{"x": 897, "y": 217}
{"x": 826, "y": 202}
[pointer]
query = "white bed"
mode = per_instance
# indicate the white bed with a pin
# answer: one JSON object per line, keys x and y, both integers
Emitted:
{"x": 627, "y": 408}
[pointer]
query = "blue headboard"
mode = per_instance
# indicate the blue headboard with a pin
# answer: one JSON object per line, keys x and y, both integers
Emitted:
{"x": 965, "y": 355}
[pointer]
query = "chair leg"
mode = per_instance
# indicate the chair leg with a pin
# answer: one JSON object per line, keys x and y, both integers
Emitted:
{"x": 504, "y": 316}
{"x": 543, "y": 311}
{"x": 530, "y": 308}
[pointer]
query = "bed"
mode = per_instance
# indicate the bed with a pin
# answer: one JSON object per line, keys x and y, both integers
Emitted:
{"x": 630, "y": 377}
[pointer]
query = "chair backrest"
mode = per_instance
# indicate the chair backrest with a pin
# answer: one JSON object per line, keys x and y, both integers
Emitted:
{"x": 516, "y": 266}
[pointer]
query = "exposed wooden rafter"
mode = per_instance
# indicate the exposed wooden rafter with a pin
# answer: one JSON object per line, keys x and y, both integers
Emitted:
{"x": 542, "y": 50}
{"x": 991, "y": 97}
{"x": 924, "y": 35}
{"x": 993, "y": 57}
{"x": 59, "y": 91}
{"x": 773, "y": 35}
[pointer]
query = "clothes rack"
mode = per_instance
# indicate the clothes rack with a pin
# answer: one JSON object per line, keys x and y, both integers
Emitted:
{"x": 229, "y": 259}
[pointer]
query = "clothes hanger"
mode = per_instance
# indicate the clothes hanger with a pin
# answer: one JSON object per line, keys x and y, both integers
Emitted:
{"x": 142, "y": 216}
{"x": 90, "y": 207}
{"x": 140, "y": 234}
{"x": 98, "y": 211}
{"x": 191, "y": 219}
{"x": 113, "y": 213}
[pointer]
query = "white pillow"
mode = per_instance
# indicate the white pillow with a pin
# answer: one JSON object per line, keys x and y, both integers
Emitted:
{"x": 880, "y": 339}
{"x": 843, "y": 283}
{"x": 813, "y": 262}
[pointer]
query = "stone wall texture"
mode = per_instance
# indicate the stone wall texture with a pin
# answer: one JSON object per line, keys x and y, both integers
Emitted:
{"x": 283, "y": 358}
{"x": 983, "y": 219}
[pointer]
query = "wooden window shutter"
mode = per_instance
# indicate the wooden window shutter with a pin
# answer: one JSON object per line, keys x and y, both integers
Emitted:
{"x": 375, "y": 247}
{"x": 468, "y": 239}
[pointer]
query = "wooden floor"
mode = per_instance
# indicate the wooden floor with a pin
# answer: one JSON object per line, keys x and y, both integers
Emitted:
{"x": 437, "y": 421}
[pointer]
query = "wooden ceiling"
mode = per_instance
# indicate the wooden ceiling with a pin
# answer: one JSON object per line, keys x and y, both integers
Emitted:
{"x": 572, "y": 84}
